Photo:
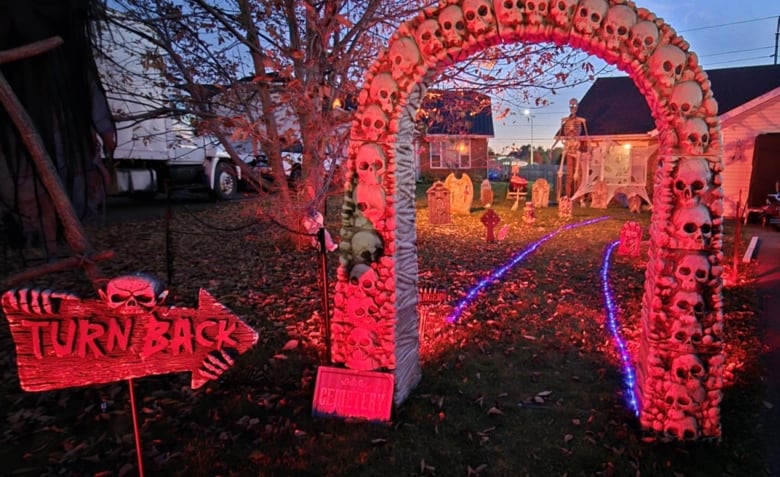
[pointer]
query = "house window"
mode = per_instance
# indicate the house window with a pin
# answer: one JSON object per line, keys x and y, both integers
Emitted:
{"x": 450, "y": 154}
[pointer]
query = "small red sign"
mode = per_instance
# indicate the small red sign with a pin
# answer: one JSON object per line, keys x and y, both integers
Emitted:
{"x": 349, "y": 393}
{"x": 87, "y": 342}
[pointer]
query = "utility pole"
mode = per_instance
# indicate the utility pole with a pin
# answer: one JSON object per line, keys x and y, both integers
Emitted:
{"x": 777, "y": 37}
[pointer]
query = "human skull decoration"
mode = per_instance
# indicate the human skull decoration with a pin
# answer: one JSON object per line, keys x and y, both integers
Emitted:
{"x": 133, "y": 294}
{"x": 509, "y": 13}
{"x": 405, "y": 58}
{"x": 679, "y": 401}
{"x": 686, "y": 333}
{"x": 562, "y": 13}
{"x": 666, "y": 66}
{"x": 691, "y": 181}
{"x": 694, "y": 136}
{"x": 453, "y": 26}
{"x": 684, "y": 428}
{"x": 364, "y": 278}
{"x": 688, "y": 303}
{"x": 479, "y": 17}
{"x": 617, "y": 26}
{"x": 692, "y": 272}
{"x": 429, "y": 37}
{"x": 371, "y": 200}
{"x": 590, "y": 14}
{"x": 692, "y": 228}
{"x": 371, "y": 164}
{"x": 374, "y": 122}
{"x": 384, "y": 92}
{"x": 687, "y": 369}
{"x": 536, "y": 11}
{"x": 642, "y": 39}
{"x": 367, "y": 246}
{"x": 363, "y": 346}
{"x": 686, "y": 98}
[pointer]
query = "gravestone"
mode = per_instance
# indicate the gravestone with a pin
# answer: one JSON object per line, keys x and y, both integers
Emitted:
{"x": 486, "y": 193}
{"x": 490, "y": 219}
{"x": 630, "y": 239}
{"x": 600, "y": 195}
{"x": 635, "y": 203}
{"x": 461, "y": 192}
{"x": 439, "y": 204}
{"x": 529, "y": 214}
{"x": 564, "y": 207}
{"x": 540, "y": 193}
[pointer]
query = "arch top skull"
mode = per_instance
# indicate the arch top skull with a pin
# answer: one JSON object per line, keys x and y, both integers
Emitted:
{"x": 133, "y": 294}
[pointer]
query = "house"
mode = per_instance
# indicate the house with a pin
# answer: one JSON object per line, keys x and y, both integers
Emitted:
{"x": 619, "y": 122}
{"x": 453, "y": 131}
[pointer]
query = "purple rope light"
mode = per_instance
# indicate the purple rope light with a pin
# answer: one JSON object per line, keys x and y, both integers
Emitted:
{"x": 499, "y": 272}
{"x": 629, "y": 379}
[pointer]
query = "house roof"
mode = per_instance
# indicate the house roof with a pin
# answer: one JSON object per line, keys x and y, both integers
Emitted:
{"x": 615, "y": 106}
{"x": 457, "y": 113}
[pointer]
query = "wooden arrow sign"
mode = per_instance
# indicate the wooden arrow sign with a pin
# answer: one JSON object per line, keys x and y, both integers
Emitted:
{"x": 87, "y": 342}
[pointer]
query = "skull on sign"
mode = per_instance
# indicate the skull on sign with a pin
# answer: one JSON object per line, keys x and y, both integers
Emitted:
{"x": 133, "y": 294}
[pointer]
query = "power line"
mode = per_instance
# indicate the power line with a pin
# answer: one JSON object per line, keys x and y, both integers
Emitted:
{"x": 728, "y": 24}
{"x": 742, "y": 59}
{"x": 736, "y": 51}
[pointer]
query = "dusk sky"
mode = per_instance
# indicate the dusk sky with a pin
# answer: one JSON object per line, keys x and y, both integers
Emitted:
{"x": 724, "y": 34}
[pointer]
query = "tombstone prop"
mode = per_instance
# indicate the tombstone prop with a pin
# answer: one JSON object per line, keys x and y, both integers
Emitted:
{"x": 490, "y": 219}
{"x": 630, "y": 239}
{"x": 439, "y": 204}
{"x": 486, "y": 193}
{"x": 529, "y": 214}
{"x": 461, "y": 192}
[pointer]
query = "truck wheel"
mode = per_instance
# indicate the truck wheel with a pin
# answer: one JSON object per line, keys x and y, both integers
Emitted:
{"x": 225, "y": 181}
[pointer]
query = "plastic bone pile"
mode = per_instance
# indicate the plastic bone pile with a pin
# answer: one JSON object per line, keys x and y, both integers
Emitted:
{"x": 680, "y": 364}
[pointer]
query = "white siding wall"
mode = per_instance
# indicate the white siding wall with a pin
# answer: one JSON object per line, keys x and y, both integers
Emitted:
{"x": 739, "y": 134}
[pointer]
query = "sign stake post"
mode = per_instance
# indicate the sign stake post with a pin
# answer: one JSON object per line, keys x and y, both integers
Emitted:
{"x": 136, "y": 431}
{"x": 324, "y": 279}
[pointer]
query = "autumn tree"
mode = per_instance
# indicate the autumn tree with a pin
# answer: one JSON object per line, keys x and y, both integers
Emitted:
{"x": 287, "y": 72}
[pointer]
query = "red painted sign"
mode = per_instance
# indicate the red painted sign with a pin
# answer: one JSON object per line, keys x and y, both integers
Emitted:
{"x": 83, "y": 342}
{"x": 349, "y": 393}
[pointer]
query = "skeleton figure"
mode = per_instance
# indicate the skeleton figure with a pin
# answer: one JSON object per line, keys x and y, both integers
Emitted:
{"x": 133, "y": 294}
{"x": 572, "y": 127}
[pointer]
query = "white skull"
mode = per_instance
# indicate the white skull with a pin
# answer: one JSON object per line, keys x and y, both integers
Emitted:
{"x": 666, "y": 65}
{"x": 384, "y": 91}
{"x": 686, "y": 98}
{"x": 686, "y": 333}
{"x": 405, "y": 57}
{"x": 680, "y": 401}
{"x": 371, "y": 164}
{"x": 688, "y": 304}
{"x": 429, "y": 37}
{"x": 685, "y": 428}
{"x": 371, "y": 200}
{"x": 691, "y": 181}
{"x": 590, "y": 14}
{"x": 132, "y": 294}
{"x": 363, "y": 346}
{"x": 692, "y": 228}
{"x": 692, "y": 272}
{"x": 366, "y": 246}
{"x": 374, "y": 122}
{"x": 479, "y": 16}
{"x": 562, "y": 13}
{"x": 364, "y": 278}
{"x": 536, "y": 11}
{"x": 688, "y": 369}
{"x": 509, "y": 13}
{"x": 617, "y": 25}
{"x": 642, "y": 39}
{"x": 694, "y": 136}
{"x": 453, "y": 26}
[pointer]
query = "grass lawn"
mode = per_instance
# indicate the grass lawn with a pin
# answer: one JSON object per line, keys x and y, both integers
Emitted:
{"x": 527, "y": 382}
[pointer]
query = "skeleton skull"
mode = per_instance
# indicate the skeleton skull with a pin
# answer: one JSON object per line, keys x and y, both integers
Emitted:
{"x": 686, "y": 333}
{"x": 363, "y": 348}
{"x": 678, "y": 400}
{"x": 686, "y": 428}
{"x": 666, "y": 66}
{"x": 688, "y": 369}
{"x": 562, "y": 13}
{"x": 509, "y": 13}
{"x": 133, "y": 294}
{"x": 642, "y": 40}
{"x": 694, "y": 136}
{"x": 371, "y": 164}
{"x": 364, "y": 278}
{"x": 371, "y": 200}
{"x": 429, "y": 37}
{"x": 405, "y": 57}
{"x": 479, "y": 16}
{"x": 374, "y": 122}
{"x": 384, "y": 91}
{"x": 688, "y": 304}
{"x": 686, "y": 98}
{"x": 691, "y": 181}
{"x": 453, "y": 27}
{"x": 590, "y": 14}
{"x": 617, "y": 25}
{"x": 536, "y": 11}
{"x": 692, "y": 272}
{"x": 692, "y": 228}
{"x": 366, "y": 246}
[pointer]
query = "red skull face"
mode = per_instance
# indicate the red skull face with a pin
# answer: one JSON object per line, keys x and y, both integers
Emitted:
{"x": 132, "y": 294}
